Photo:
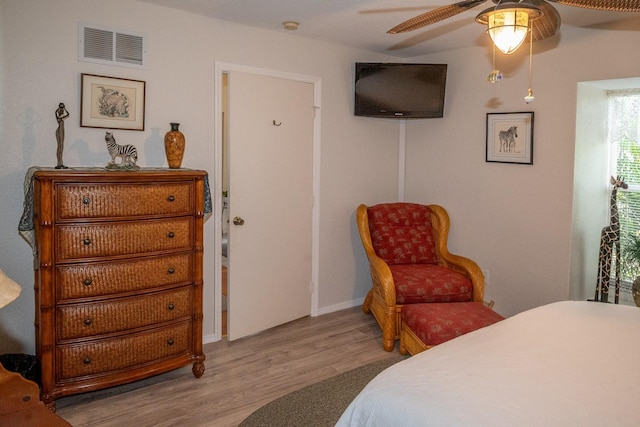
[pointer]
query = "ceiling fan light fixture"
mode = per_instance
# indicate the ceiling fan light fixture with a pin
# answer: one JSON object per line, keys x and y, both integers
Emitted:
{"x": 508, "y": 23}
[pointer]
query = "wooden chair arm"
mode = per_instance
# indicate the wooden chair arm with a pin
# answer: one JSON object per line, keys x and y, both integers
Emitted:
{"x": 383, "y": 281}
{"x": 380, "y": 271}
{"x": 470, "y": 269}
{"x": 440, "y": 222}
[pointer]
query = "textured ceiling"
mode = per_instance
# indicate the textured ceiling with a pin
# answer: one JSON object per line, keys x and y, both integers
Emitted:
{"x": 363, "y": 23}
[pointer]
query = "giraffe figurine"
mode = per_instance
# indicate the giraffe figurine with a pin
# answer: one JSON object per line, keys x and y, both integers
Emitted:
{"x": 610, "y": 241}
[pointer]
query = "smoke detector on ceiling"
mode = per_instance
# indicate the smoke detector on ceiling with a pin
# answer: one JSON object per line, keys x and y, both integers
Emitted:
{"x": 290, "y": 25}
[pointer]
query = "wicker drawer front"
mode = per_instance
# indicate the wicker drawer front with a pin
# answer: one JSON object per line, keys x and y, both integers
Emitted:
{"x": 122, "y": 200}
{"x": 125, "y": 238}
{"x": 95, "y": 279}
{"x": 84, "y": 320}
{"x": 109, "y": 355}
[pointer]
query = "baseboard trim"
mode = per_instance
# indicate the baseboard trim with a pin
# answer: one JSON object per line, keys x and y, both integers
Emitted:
{"x": 206, "y": 339}
{"x": 341, "y": 306}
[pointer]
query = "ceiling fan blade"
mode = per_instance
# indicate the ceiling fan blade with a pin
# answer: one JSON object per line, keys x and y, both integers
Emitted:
{"x": 548, "y": 24}
{"x": 434, "y": 16}
{"x": 609, "y": 5}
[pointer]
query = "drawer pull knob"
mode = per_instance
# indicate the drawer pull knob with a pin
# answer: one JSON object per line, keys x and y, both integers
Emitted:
{"x": 171, "y": 198}
{"x": 88, "y": 322}
{"x": 171, "y": 306}
{"x": 87, "y": 360}
{"x": 171, "y": 235}
{"x": 86, "y": 241}
{"x": 86, "y": 200}
{"x": 170, "y": 341}
{"x": 171, "y": 270}
{"x": 87, "y": 282}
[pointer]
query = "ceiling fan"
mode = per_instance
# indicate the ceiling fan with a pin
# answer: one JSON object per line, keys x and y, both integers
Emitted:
{"x": 545, "y": 26}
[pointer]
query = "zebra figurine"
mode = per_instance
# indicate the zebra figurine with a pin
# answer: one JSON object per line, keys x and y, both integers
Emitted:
{"x": 127, "y": 153}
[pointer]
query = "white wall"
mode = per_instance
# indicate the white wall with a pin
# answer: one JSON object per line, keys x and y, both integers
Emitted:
{"x": 39, "y": 69}
{"x": 591, "y": 192}
{"x": 515, "y": 220}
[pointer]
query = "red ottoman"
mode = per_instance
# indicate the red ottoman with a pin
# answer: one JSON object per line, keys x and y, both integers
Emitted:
{"x": 429, "y": 324}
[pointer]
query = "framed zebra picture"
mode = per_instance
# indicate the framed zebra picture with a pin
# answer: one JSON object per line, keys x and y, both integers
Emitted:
{"x": 112, "y": 103}
{"x": 510, "y": 137}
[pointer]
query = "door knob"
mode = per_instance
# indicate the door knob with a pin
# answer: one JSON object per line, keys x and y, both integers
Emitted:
{"x": 238, "y": 221}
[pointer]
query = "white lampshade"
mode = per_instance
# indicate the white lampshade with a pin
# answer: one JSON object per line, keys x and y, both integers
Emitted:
{"x": 508, "y": 23}
{"x": 9, "y": 290}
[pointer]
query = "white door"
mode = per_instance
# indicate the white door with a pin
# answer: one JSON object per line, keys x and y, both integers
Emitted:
{"x": 270, "y": 202}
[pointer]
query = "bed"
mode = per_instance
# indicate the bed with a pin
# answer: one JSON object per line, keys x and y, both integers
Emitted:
{"x": 570, "y": 363}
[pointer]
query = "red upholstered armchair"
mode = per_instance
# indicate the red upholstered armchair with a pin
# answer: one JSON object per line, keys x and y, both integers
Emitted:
{"x": 406, "y": 244}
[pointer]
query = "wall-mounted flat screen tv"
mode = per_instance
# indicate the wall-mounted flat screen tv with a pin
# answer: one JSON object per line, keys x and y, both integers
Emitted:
{"x": 399, "y": 90}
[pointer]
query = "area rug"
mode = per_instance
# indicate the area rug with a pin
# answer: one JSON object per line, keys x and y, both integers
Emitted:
{"x": 319, "y": 404}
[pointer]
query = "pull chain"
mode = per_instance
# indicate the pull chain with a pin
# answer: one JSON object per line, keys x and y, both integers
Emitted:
{"x": 529, "y": 98}
{"x": 495, "y": 75}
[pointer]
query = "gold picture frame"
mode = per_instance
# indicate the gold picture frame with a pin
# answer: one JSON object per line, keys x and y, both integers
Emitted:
{"x": 111, "y": 102}
{"x": 510, "y": 137}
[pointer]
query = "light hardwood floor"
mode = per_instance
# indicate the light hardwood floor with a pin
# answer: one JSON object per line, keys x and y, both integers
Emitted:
{"x": 240, "y": 375}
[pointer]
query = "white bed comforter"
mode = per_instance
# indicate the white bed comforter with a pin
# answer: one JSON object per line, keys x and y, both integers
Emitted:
{"x": 565, "y": 364}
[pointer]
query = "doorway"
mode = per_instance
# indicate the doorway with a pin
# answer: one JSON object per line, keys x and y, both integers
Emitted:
{"x": 242, "y": 258}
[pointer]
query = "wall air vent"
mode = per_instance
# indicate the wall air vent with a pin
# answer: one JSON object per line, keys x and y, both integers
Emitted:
{"x": 108, "y": 46}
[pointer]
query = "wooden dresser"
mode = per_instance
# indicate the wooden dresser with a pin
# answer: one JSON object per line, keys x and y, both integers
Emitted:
{"x": 118, "y": 276}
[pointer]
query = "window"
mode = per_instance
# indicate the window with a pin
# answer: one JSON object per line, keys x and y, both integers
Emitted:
{"x": 624, "y": 143}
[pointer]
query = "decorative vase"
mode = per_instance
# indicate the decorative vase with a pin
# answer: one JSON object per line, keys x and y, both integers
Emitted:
{"x": 174, "y": 146}
{"x": 635, "y": 291}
